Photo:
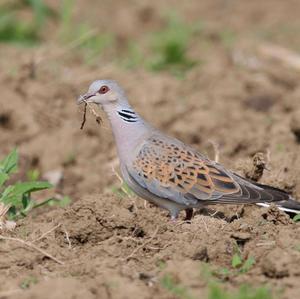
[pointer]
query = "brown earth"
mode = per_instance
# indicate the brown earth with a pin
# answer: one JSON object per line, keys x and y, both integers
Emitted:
{"x": 244, "y": 97}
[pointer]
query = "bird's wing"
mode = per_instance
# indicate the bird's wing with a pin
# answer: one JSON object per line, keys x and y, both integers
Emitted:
{"x": 169, "y": 169}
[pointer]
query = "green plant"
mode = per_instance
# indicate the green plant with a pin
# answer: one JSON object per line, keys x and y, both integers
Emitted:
{"x": 176, "y": 289}
{"x": 16, "y": 198}
{"x": 14, "y": 29}
{"x": 236, "y": 260}
{"x": 123, "y": 190}
{"x": 66, "y": 9}
{"x": 238, "y": 264}
{"x": 170, "y": 47}
{"x": 33, "y": 174}
{"x": 60, "y": 202}
{"x": 296, "y": 218}
{"x": 216, "y": 288}
{"x": 216, "y": 291}
{"x": 27, "y": 282}
{"x": 243, "y": 266}
{"x": 88, "y": 40}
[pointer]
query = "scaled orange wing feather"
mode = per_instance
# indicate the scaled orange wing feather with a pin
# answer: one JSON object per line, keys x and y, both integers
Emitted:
{"x": 175, "y": 166}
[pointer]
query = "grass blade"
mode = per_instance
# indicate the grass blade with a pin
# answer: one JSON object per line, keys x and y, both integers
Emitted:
{"x": 9, "y": 164}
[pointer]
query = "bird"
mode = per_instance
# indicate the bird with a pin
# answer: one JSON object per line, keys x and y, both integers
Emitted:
{"x": 169, "y": 173}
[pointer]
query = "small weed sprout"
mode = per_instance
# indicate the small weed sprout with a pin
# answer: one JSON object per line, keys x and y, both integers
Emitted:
{"x": 296, "y": 218}
{"x": 176, "y": 289}
{"x": 238, "y": 263}
{"x": 123, "y": 190}
{"x": 216, "y": 291}
{"x": 14, "y": 30}
{"x": 27, "y": 282}
{"x": 239, "y": 266}
{"x": 216, "y": 288}
{"x": 15, "y": 199}
{"x": 243, "y": 266}
{"x": 170, "y": 47}
{"x": 33, "y": 175}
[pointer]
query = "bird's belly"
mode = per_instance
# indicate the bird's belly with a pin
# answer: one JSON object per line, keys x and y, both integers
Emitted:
{"x": 164, "y": 203}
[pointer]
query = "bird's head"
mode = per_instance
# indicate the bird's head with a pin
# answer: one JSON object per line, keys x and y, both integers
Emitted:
{"x": 102, "y": 92}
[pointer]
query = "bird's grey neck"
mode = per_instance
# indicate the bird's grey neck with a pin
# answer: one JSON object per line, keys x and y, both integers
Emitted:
{"x": 128, "y": 127}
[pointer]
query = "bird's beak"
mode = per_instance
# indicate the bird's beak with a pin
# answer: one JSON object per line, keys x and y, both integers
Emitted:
{"x": 84, "y": 97}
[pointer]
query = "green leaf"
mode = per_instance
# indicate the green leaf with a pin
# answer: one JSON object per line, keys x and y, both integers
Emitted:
{"x": 236, "y": 260}
{"x": 40, "y": 11}
{"x": 17, "y": 197}
{"x": 3, "y": 178}
{"x": 63, "y": 202}
{"x": 28, "y": 281}
{"x": 248, "y": 264}
{"x": 33, "y": 174}
{"x": 216, "y": 292}
{"x": 14, "y": 194}
{"x": 9, "y": 164}
{"x": 178, "y": 290}
{"x": 296, "y": 218}
{"x": 66, "y": 200}
{"x": 5, "y": 194}
{"x": 26, "y": 201}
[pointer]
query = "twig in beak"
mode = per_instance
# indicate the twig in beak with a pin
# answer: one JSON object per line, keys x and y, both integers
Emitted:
{"x": 84, "y": 116}
{"x": 92, "y": 110}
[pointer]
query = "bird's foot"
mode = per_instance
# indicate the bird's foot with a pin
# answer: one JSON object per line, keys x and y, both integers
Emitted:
{"x": 187, "y": 219}
{"x": 174, "y": 218}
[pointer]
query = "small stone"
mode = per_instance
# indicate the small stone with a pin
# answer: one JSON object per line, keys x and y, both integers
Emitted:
{"x": 54, "y": 177}
{"x": 10, "y": 225}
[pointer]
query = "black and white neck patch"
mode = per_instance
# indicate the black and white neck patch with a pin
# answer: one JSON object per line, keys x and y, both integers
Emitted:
{"x": 128, "y": 115}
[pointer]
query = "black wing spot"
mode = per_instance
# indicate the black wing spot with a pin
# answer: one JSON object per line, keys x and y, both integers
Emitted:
{"x": 201, "y": 176}
{"x": 172, "y": 180}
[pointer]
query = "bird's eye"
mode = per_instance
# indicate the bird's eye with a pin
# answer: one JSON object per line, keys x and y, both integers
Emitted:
{"x": 103, "y": 89}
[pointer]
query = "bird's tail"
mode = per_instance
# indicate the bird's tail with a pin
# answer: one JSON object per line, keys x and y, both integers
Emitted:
{"x": 288, "y": 204}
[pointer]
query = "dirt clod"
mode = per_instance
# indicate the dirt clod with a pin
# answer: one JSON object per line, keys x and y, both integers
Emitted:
{"x": 276, "y": 264}
{"x": 274, "y": 215}
{"x": 258, "y": 167}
